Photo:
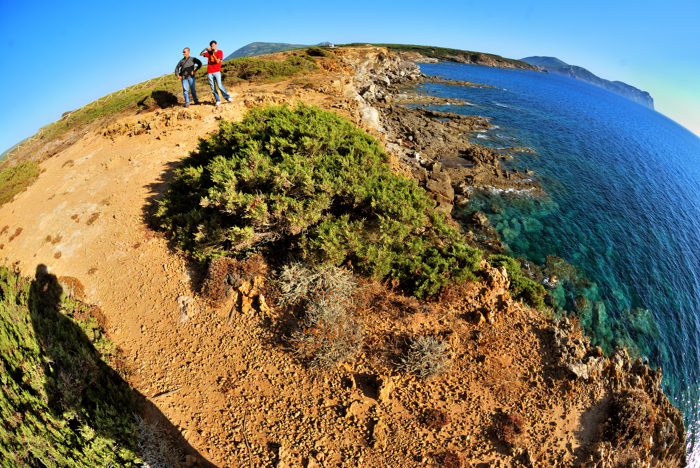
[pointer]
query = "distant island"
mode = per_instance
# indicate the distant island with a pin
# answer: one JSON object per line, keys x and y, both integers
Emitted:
{"x": 554, "y": 65}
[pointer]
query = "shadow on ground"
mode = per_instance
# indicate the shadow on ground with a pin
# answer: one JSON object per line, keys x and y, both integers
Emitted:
{"x": 81, "y": 385}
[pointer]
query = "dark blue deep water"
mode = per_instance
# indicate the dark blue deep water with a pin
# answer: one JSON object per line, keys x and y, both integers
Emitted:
{"x": 622, "y": 205}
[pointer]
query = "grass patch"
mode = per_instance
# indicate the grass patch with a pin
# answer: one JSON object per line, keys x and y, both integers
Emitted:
{"x": 256, "y": 69}
{"x": 16, "y": 178}
{"x": 308, "y": 181}
{"x": 522, "y": 287}
{"x": 62, "y": 403}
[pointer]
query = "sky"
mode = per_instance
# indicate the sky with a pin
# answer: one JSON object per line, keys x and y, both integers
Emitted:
{"x": 63, "y": 55}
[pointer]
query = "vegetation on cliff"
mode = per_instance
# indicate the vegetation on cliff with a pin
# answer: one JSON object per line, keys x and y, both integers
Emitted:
{"x": 61, "y": 403}
{"x": 452, "y": 55}
{"x": 521, "y": 286}
{"x": 311, "y": 181}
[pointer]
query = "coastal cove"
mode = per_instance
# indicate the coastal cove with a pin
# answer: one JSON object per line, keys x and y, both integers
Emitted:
{"x": 622, "y": 206}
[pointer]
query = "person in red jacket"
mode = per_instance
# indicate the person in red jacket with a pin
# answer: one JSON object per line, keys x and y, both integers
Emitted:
{"x": 214, "y": 71}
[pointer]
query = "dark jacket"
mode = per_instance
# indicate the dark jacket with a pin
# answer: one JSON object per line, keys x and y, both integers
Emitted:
{"x": 186, "y": 67}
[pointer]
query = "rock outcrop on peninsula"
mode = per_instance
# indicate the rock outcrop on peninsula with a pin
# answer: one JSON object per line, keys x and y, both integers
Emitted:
{"x": 207, "y": 348}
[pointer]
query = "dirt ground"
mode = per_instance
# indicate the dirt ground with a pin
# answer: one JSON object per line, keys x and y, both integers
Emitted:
{"x": 229, "y": 392}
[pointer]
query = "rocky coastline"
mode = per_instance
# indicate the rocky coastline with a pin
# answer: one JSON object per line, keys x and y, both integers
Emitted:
{"x": 431, "y": 147}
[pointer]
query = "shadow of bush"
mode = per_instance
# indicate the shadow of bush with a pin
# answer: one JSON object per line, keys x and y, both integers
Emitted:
{"x": 158, "y": 98}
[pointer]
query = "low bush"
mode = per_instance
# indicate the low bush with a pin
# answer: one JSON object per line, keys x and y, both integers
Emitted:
{"x": 428, "y": 357}
{"x": 309, "y": 180}
{"x": 436, "y": 419}
{"x": 16, "y": 178}
{"x": 320, "y": 52}
{"x": 327, "y": 335}
{"x": 631, "y": 420}
{"x": 61, "y": 404}
{"x": 225, "y": 274}
{"x": 159, "y": 98}
{"x": 523, "y": 288}
{"x": 300, "y": 283}
{"x": 450, "y": 459}
{"x": 511, "y": 429}
{"x": 257, "y": 69}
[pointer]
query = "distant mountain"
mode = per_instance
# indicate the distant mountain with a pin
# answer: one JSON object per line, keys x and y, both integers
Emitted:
{"x": 545, "y": 62}
{"x": 261, "y": 48}
{"x": 554, "y": 65}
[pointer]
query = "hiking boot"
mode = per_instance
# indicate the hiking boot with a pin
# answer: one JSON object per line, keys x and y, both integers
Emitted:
{"x": 217, "y": 103}
{"x": 230, "y": 100}
{"x": 187, "y": 105}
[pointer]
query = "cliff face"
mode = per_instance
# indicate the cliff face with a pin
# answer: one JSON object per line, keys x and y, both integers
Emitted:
{"x": 554, "y": 65}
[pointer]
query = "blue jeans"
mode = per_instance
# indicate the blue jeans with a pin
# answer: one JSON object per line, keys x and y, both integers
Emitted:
{"x": 214, "y": 81}
{"x": 187, "y": 84}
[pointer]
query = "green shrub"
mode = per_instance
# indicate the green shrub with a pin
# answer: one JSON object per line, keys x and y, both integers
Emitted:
{"x": 16, "y": 178}
{"x": 319, "y": 52}
{"x": 310, "y": 180}
{"x": 61, "y": 403}
{"x": 256, "y": 69}
{"x": 522, "y": 287}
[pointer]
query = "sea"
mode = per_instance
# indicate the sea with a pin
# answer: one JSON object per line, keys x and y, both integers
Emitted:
{"x": 621, "y": 205}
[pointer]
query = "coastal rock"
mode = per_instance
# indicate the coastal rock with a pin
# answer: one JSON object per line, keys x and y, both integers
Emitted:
{"x": 573, "y": 355}
{"x": 440, "y": 190}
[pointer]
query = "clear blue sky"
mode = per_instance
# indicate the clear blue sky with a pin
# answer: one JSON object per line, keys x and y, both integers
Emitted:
{"x": 62, "y": 55}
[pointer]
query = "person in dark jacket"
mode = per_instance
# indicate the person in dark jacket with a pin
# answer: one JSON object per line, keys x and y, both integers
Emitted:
{"x": 185, "y": 70}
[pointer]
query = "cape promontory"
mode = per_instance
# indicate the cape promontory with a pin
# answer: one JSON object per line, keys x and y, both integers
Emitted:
{"x": 554, "y": 65}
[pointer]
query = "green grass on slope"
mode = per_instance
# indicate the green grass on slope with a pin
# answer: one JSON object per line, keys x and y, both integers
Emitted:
{"x": 61, "y": 402}
{"x": 16, "y": 178}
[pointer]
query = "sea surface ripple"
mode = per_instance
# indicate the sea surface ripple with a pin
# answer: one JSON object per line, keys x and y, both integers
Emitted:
{"x": 622, "y": 205}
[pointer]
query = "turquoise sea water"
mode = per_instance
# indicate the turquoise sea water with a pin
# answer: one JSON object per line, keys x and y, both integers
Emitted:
{"x": 622, "y": 205}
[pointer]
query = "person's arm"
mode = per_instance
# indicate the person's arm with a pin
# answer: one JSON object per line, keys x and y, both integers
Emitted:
{"x": 216, "y": 56}
{"x": 204, "y": 52}
{"x": 177, "y": 69}
{"x": 197, "y": 65}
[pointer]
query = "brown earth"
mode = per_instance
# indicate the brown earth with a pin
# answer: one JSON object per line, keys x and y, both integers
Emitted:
{"x": 226, "y": 380}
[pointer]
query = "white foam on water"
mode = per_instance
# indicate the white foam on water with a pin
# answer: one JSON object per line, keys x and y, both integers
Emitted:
{"x": 513, "y": 191}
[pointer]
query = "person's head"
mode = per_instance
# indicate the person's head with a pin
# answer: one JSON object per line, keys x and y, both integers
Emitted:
{"x": 212, "y": 44}
{"x": 186, "y": 52}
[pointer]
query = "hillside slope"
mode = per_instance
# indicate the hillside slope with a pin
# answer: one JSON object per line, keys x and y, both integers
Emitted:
{"x": 554, "y": 65}
{"x": 261, "y": 48}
